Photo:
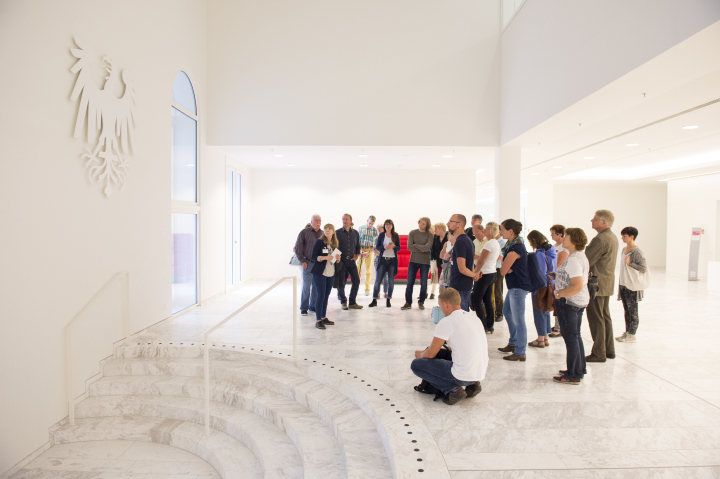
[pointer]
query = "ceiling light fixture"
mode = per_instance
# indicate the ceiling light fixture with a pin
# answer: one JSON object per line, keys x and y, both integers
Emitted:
{"x": 290, "y": 164}
{"x": 633, "y": 144}
{"x": 534, "y": 174}
{"x": 436, "y": 165}
{"x": 690, "y": 127}
{"x": 691, "y": 176}
{"x": 363, "y": 164}
{"x": 362, "y": 156}
{"x": 279, "y": 156}
{"x": 447, "y": 156}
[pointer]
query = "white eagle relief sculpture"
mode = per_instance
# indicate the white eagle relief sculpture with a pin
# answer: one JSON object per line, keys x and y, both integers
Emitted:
{"x": 112, "y": 116}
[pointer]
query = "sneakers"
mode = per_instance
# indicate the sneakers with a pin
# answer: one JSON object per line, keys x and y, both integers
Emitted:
{"x": 406, "y": 306}
{"x": 367, "y": 293}
{"x": 303, "y": 312}
{"x": 489, "y": 331}
{"x": 454, "y": 396}
{"x": 514, "y": 357}
{"x": 622, "y": 337}
{"x": 320, "y": 325}
{"x": 355, "y": 306}
{"x": 566, "y": 380}
{"x": 387, "y": 303}
{"x": 507, "y": 349}
{"x": 344, "y": 306}
{"x": 473, "y": 390}
{"x": 432, "y": 296}
{"x": 421, "y": 306}
{"x": 626, "y": 338}
{"x": 373, "y": 303}
{"x": 327, "y": 321}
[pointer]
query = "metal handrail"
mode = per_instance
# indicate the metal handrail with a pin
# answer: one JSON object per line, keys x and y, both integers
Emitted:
{"x": 206, "y": 336}
{"x": 70, "y": 329}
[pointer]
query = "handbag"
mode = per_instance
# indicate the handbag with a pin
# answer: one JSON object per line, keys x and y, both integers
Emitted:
{"x": 593, "y": 285}
{"x": 437, "y": 314}
{"x": 294, "y": 260}
{"x": 545, "y": 296}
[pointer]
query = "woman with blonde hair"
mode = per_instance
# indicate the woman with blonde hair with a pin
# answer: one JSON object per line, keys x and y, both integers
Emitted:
{"x": 439, "y": 240}
{"x": 324, "y": 254}
{"x": 485, "y": 267}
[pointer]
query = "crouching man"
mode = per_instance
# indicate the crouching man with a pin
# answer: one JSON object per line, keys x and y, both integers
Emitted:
{"x": 455, "y": 373}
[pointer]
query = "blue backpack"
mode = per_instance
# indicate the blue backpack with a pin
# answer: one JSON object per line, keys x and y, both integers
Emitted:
{"x": 537, "y": 278}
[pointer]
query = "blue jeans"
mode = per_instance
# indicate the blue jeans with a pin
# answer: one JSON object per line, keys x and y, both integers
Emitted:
{"x": 465, "y": 300}
{"x": 309, "y": 295}
{"x": 323, "y": 285}
{"x": 438, "y": 373}
{"x": 543, "y": 322}
{"x": 411, "y": 274}
{"x": 386, "y": 270}
{"x": 514, "y": 312}
{"x": 570, "y": 319}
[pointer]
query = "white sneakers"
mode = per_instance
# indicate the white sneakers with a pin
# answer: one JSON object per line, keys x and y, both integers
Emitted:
{"x": 367, "y": 293}
{"x": 626, "y": 338}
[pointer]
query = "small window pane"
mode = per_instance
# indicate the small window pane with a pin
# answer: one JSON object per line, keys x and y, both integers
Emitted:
{"x": 184, "y": 157}
{"x": 184, "y": 261}
{"x": 183, "y": 93}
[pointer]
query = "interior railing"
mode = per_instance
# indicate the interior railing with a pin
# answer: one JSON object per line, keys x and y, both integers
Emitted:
{"x": 240, "y": 310}
{"x": 69, "y": 331}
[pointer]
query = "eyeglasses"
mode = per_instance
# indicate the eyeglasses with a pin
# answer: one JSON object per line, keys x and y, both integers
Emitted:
{"x": 453, "y": 221}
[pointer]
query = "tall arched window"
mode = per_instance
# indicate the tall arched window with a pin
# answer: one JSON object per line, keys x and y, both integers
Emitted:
{"x": 185, "y": 204}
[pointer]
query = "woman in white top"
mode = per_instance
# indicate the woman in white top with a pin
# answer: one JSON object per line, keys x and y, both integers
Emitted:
{"x": 323, "y": 272}
{"x": 634, "y": 279}
{"x": 571, "y": 299}
{"x": 557, "y": 233}
{"x": 486, "y": 273}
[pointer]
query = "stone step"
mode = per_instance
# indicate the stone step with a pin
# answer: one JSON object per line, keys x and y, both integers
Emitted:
{"x": 410, "y": 450}
{"x": 363, "y": 450}
{"x": 228, "y": 456}
{"x": 276, "y": 454}
{"x": 320, "y": 452}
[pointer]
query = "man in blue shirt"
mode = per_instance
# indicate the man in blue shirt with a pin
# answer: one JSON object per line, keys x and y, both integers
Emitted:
{"x": 462, "y": 276}
{"x": 349, "y": 246}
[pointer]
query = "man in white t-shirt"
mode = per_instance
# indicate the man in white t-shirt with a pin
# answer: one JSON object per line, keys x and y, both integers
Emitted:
{"x": 458, "y": 377}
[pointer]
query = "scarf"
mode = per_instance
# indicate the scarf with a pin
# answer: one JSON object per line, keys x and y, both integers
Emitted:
{"x": 510, "y": 244}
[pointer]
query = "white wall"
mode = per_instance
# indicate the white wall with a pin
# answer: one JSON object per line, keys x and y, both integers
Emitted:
{"x": 61, "y": 238}
{"x": 557, "y": 53}
{"x": 284, "y": 201}
{"x": 692, "y": 202}
{"x": 640, "y": 206}
{"x": 318, "y": 72}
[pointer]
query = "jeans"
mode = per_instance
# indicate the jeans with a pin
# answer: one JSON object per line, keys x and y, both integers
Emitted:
{"x": 438, "y": 373}
{"x": 308, "y": 298}
{"x": 411, "y": 274}
{"x": 514, "y": 312}
{"x": 351, "y": 269}
{"x": 543, "y": 322}
{"x": 323, "y": 285}
{"x": 482, "y": 294}
{"x": 570, "y": 319}
{"x": 368, "y": 265}
{"x": 465, "y": 300}
{"x": 600, "y": 322}
{"x": 498, "y": 294}
{"x": 630, "y": 304}
{"x": 386, "y": 270}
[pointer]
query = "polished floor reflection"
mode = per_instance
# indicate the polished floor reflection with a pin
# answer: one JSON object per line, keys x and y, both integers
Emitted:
{"x": 654, "y": 410}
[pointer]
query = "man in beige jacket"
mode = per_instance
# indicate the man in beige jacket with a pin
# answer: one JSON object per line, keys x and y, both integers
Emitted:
{"x": 602, "y": 256}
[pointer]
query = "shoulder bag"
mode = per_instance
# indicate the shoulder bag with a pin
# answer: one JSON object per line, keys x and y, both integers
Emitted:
{"x": 294, "y": 260}
{"x": 545, "y": 296}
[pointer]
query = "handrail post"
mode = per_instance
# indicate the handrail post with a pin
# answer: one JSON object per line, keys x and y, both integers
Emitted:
{"x": 294, "y": 278}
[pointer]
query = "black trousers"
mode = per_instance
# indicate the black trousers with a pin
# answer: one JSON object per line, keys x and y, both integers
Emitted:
{"x": 350, "y": 269}
{"x": 482, "y": 294}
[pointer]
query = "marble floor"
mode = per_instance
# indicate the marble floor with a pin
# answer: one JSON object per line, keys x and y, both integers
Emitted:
{"x": 654, "y": 411}
{"x": 116, "y": 459}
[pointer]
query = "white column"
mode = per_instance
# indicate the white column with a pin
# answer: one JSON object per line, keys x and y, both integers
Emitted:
{"x": 507, "y": 183}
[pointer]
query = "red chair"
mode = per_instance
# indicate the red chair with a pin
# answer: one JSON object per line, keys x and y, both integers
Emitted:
{"x": 404, "y": 260}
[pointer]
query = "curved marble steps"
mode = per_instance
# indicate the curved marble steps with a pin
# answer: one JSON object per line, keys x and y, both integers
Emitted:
{"x": 319, "y": 449}
{"x": 229, "y": 457}
{"x": 362, "y": 449}
{"x": 276, "y": 454}
{"x": 389, "y": 412}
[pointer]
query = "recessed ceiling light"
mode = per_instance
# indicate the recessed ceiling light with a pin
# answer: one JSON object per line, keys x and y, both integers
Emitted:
{"x": 588, "y": 157}
{"x": 363, "y": 164}
{"x": 436, "y": 166}
{"x": 557, "y": 167}
{"x": 690, "y": 127}
{"x": 447, "y": 156}
{"x": 632, "y": 144}
{"x": 191, "y": 164}
{"x": 290, "y": 164}
{"x": 479, "y": 171}
{"x": 534, "y": 174}
{"x": 279, "y": 156}
{"x": 362, "y": 156}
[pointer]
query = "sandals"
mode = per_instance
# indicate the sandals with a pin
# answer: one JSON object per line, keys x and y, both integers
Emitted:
{"x": 536, "y": 344}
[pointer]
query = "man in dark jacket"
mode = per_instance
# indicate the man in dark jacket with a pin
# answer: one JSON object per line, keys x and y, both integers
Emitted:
{"x": 602, "y": 254}
{"x": 303, "y": 250}
{"x": 349, "y": 246}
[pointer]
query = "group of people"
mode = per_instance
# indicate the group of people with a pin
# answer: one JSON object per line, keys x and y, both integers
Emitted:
{"x": 471, "y": 264}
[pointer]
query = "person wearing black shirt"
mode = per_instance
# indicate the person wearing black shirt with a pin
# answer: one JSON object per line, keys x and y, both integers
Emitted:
{"x": 349, "y": 246}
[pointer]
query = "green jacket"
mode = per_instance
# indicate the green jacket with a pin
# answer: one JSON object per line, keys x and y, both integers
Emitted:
{"x": 602, "y": 255}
